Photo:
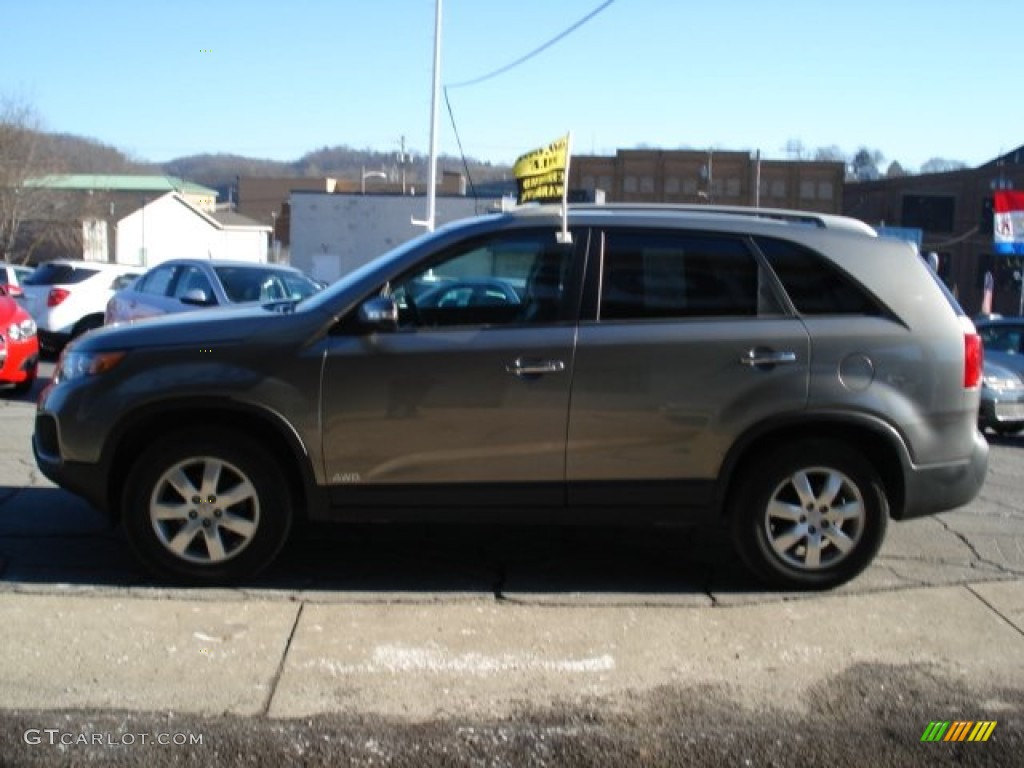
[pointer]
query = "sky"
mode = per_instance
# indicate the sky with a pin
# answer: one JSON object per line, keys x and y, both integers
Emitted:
{"x": 913, "y": 79}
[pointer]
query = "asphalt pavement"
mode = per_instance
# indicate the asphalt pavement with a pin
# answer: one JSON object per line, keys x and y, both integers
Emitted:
{"x": 431, "y": 645}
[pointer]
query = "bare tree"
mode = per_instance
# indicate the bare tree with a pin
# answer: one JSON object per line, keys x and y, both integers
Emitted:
{"x": 22, "y": 158}
{"x": 864, "y": 166}
{"x": 831, "y": 154}
{"x": 795, "y": 149}
{"x": 941, "y": 165}
{"x": 895, "y": 170}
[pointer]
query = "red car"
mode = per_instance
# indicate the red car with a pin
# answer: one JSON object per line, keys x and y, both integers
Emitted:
{"x": 19, "y": 345}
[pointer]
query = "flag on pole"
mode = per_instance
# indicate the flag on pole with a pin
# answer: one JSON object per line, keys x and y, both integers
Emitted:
{"x": 542, "y": 174}
{"x": 1008, "y": 207}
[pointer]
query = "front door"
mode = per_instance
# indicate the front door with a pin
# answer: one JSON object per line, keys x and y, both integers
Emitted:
{"x": 467, "y": 402}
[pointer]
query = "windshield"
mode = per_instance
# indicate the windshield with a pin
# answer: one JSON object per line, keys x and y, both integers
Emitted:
{"x": 248, "y": 284}
{"x": 326, "y": 297}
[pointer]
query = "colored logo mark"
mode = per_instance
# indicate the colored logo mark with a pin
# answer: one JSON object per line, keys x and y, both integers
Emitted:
{"x": 958, "y": 730}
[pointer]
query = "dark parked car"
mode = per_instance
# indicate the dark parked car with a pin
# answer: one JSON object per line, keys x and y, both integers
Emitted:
{"x": 183, "y": 285}
{"x": 791, "y": 374}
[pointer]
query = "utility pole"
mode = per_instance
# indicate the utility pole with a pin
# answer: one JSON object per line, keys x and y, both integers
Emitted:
{"x": 402, "y": 160}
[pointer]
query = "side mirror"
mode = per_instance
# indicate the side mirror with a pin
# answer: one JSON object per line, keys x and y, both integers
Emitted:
{"x": 380, "y": 313}
{"x": 196, "y": 297}
{"x": 11, "y": 290}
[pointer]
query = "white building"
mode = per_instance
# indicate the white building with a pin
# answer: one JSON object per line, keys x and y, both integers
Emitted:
{"x": 332, "y": 234}
{"x": 170, "y": 227}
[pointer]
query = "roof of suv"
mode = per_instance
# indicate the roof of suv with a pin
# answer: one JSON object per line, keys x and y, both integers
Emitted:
{"x": 96, "y": 265}
{"x": 782, "y": 215}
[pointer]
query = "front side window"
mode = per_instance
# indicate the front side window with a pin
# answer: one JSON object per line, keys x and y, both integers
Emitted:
{"x": 669, "y": 274}
{"x": 156, "y": 282}
{"x": 506, "y": 279}
{"x": 193, "y": 279}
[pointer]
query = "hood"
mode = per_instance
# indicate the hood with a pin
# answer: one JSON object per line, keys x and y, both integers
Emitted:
{"x": 10, "y": 310}
{"x": 202, "y": 327}
{"x": 993, "y": 369}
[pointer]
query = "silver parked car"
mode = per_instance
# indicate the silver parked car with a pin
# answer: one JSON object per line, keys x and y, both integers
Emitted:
{"x": 1002, "y": 397}
{"x": 181, "y": 285}
{"x": 790, "y": 374}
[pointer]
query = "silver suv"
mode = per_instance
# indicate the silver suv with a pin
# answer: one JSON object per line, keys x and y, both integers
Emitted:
{"x": 791, "y": 374}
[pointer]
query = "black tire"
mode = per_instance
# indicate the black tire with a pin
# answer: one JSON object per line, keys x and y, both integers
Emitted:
{"x": 1005, "y": 430}
{"x": 191, "y": 527}
{"x": 86, "y": 324}
{"x": 789, "y": 501}
{"x": 24, "y": 387}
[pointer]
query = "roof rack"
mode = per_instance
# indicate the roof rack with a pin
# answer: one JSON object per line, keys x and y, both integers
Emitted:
{"x": 785, "y": 215}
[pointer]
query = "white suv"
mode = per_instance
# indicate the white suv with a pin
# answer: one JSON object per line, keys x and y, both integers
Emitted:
{"x": 68, "y": 297}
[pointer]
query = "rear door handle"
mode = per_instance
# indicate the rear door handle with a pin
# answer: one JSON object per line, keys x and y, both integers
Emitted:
{"x": 528, "y": 367}
{"x": 759, "y": 357}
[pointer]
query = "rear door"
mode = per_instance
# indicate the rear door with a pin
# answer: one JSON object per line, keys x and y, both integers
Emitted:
{"x": 688, "y": 347}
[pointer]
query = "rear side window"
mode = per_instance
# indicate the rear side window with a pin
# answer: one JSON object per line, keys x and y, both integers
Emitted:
{"x": 674, "y": 274}
{"x": 59, "y": 274}
{"x": 814, "y": 284}
{"x": 1003, "y": 338}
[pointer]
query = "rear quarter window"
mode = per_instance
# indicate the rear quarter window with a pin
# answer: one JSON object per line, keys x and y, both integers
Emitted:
{"x": 814, "y": 284}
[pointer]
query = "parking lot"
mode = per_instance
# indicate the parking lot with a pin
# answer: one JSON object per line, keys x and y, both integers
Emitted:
{"x": 427, "y": 644}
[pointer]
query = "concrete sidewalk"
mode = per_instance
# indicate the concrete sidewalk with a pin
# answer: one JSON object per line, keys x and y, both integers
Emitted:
{"x": 212, "y": 653}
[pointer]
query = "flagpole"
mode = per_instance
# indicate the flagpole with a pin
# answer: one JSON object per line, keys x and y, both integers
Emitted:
{"x": 564, "y": 236}
{"x": 435, "y": 94}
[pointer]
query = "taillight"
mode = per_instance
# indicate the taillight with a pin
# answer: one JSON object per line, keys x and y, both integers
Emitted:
{"x": 974, "y": 357}
{"x": 56, "y": 296}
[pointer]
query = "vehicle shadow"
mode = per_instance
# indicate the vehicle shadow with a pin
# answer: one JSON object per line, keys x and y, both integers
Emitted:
{"x": 1011, "y": 441}
{"x": 48, "y": 536}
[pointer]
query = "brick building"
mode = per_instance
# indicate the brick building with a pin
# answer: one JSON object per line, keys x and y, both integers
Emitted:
{"x": 954, "y": 212}
{"x": 713, "y": 176}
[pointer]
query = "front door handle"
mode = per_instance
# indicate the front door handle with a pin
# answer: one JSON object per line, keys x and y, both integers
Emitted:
{"x": 760, "y": 356}
{"x": 530, "y": 367}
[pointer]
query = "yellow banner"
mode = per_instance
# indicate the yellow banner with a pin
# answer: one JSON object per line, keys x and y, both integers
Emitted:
{"x": 541, "y": 173}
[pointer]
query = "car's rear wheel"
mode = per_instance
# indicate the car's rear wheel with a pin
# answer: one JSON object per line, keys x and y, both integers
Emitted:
{"x": 811, "y": 515}
{"x": 206, "y": 508}
{"x": 86, "y": 324}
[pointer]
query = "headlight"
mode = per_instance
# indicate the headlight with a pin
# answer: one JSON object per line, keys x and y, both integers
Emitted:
{"x": 76, "y": 365}
{"x": 26, "y": 329}
{"x": 1002, "y": 383}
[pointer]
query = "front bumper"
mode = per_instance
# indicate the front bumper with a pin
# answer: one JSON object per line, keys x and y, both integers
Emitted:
{"x": 52, "y": 341}
{"x": 18, "y": 362}
{"x": 1001, "y": 408}
{"x": 85, "y": 480}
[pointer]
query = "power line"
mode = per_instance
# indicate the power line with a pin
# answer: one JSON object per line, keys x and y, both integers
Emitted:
{"x": 536, "y": 51}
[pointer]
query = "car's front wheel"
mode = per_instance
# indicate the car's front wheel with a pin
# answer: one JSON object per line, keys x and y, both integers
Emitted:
{"x": 206, "y": 508}
{"x": 811, "y": 515}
